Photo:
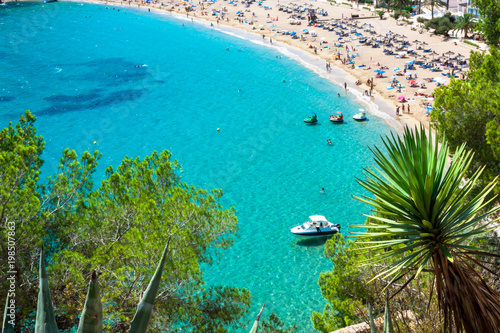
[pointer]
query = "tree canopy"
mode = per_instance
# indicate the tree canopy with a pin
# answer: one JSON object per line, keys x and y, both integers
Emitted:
{"x": 119, "y": 227}
{"x": 469, "y": 111}
{"x": 489, "y": 20}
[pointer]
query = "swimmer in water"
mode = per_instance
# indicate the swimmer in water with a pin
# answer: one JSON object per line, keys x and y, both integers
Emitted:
{"x": 322, "y": 190}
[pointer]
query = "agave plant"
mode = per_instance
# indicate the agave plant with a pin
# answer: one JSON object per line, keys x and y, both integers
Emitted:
{"x": 7, "y": 327}
{"x": 425, "y": 214}
{"x": 91, "y": 318}
{"x": 255, "y": 327}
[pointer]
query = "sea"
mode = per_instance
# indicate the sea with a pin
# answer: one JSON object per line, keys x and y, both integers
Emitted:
{"x": 228, "y": 106}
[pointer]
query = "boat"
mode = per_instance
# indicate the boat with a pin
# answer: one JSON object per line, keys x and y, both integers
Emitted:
{"x": 47, "y": 1}
{"x": 337, "y": 119}
{"x": 360, "y": 116}
{"x": 316, "y": 226}
{"x": 311, "y": 119}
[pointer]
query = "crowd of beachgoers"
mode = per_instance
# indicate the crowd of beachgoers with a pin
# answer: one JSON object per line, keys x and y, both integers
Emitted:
{"x": 385, "y": 60}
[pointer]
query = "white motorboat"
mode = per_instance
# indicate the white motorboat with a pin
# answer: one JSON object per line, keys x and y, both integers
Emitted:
{"x": 360, "y": 116}
{"x": 316, "y": 226}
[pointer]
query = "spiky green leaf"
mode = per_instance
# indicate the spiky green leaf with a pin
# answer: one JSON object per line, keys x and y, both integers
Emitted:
{"x": 45, "y": 319}
{"x": 9, "y": 315}
{"x": 91, "y": 319}
{"x": 145, "y": 308}
{"x": 255, "y": 327}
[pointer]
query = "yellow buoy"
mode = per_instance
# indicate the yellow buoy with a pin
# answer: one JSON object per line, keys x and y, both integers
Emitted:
{"x": 218, "y": 129}
{"x": 95, "y": 142}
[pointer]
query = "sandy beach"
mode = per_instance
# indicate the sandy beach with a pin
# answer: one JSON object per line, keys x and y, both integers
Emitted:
{"x": 344, "y": 48}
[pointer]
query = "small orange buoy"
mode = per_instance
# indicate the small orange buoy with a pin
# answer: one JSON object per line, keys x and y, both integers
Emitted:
{"x": 218, "y": 129}
{"x": 95, "y": 142}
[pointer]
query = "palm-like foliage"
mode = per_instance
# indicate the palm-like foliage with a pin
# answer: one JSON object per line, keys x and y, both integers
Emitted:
{"x": 465, "y": 24}
{"x": 423, "y": 211}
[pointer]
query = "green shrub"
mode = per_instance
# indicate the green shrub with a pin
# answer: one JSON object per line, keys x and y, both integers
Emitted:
{"x": 380, "y": 13}
{"x": 442, "y": 25}
{"x": 471, "y": 43}
{"x": 421, "y": 20}
{"x": 367, "y": 8}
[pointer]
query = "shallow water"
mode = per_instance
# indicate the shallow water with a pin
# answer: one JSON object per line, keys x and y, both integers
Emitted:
{"x": 74, "y": 66}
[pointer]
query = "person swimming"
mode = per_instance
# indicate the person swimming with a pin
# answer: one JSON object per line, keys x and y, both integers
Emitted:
{"x": 329, "y": 142}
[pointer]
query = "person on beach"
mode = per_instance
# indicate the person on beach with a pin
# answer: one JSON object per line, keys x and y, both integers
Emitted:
{"x": 345, "y": 85}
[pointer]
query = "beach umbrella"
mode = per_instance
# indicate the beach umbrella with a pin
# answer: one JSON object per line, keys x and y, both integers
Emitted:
{"x": 401, "y": 97}
{"x": 412, "y": 81}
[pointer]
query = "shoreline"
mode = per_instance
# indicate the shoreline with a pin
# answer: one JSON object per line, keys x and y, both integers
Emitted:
{"x": 265, "y": 23}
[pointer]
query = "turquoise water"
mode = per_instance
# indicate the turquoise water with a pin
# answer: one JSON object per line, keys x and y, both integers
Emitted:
{"x": 74, "y": 66}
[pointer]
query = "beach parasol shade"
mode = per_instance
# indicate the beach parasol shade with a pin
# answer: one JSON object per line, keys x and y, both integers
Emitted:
{"x": 449, "y": 53}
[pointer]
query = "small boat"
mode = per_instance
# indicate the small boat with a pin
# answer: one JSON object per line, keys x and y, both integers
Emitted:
{"x": 316, "y": 226}
{"x": 311, "y": 119}
{"x": 360, "y": 116}
{"x": 47, "y": 1}
{"x": 337, "y": 119}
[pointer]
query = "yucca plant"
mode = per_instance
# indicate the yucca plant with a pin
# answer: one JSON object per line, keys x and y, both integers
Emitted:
{"x": 425, "y": 214}
{"x": 91, "y": 318}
